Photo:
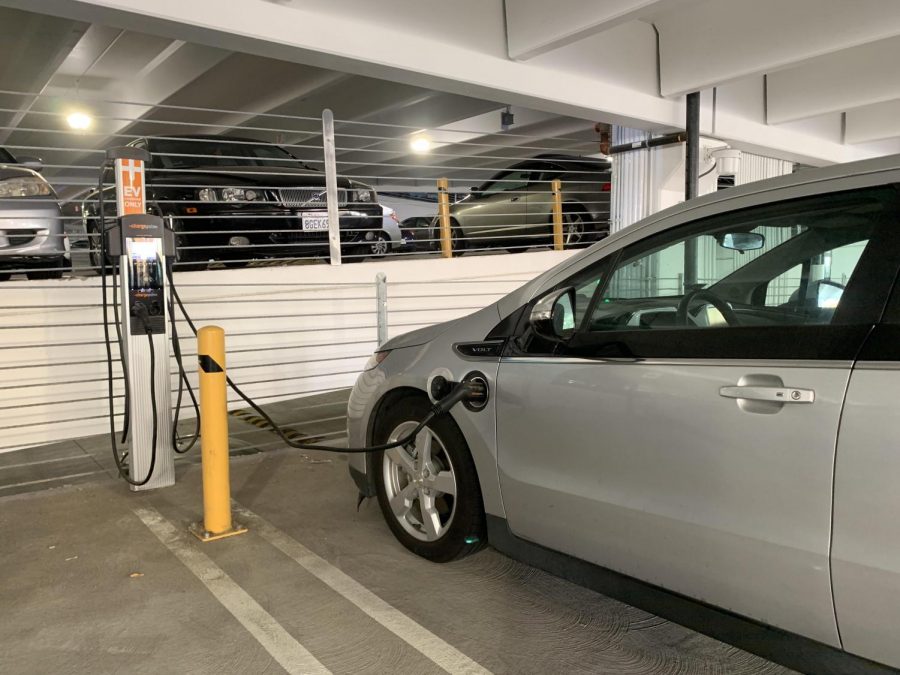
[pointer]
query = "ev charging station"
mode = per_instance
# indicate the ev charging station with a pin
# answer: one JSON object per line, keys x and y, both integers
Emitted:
{"x": 141, "y": 243}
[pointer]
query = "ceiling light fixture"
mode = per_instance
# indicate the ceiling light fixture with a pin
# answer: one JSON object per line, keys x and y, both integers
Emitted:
{"x": 421, "y": 144}
{"x": 79, "y": 121}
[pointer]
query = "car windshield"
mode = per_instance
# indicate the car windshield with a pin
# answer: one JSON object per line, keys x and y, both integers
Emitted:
{"x": 189, "y": 153}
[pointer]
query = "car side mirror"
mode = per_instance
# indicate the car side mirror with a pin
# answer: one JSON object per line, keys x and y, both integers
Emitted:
{"x": 30, "y": 162}
{"x": 553, "y": 316}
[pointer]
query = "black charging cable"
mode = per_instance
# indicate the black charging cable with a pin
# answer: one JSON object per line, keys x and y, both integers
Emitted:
{"x": 183, "y": 381}
{"x": 459, "y": 392}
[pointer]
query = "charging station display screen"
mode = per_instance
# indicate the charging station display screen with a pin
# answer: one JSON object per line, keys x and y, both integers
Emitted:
{"x": 145, "y": 259}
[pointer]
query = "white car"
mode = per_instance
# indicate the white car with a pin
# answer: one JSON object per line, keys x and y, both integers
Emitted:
{"x": 389, "y": 239}
{"x": 698, "y": 415}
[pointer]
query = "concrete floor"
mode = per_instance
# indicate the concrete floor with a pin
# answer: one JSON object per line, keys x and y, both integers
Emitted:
{"x": 98, "y": 579}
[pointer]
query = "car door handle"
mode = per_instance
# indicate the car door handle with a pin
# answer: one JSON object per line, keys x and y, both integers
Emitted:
{"x": 769, "y": 394}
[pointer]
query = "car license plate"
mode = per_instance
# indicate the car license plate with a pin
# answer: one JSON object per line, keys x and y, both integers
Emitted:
{"x": 314, "y": 222}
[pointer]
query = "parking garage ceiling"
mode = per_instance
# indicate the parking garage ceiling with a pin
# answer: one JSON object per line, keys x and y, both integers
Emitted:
{"x": 137, "y": 84}
{"x": 808, "y": 80}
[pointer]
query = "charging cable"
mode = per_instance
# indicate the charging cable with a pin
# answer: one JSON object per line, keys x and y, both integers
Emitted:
{"x": 460, "y": 391}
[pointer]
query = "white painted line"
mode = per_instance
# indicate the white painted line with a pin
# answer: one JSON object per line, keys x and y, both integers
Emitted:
{"x": 292, "y": 656}
{"x": 44, "y": 461}
{"x": 50, "y": 480}
{"x": 443, "y": 654}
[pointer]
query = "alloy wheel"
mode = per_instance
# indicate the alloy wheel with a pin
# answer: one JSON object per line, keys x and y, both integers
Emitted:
{"x": 420, "y": 483}
{"x": 573, "y": 229}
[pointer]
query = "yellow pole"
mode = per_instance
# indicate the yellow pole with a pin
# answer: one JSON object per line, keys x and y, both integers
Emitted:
{"x": 443, "y": 186}
{"x": 557, "y": 215}
{"x": 217, "y": 521}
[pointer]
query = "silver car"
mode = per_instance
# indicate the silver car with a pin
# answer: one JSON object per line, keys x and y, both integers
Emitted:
{"x": 704, "y": 406}
{"x": 514, "y": 209}
{"x": 31, "y": 228}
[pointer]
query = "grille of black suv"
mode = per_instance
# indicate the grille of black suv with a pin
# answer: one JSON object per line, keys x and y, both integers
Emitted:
{"x": 17, "y": 237}
{"x": 308, "y": 197}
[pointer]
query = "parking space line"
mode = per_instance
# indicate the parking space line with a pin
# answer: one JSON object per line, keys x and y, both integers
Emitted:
{"x": 290, "y": 654}
{"x": 430, "y": 645}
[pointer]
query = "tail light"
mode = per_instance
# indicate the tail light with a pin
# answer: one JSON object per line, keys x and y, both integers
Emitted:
{"x": 606, "y": 187}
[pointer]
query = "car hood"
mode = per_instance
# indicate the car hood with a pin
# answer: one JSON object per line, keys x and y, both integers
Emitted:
{"x": 264, "y": 176}
{"x": 15, "y": 171}
{"x": 471, "y": 323}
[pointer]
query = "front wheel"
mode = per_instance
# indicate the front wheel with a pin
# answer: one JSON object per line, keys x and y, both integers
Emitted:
{"x": 428, "y": 490}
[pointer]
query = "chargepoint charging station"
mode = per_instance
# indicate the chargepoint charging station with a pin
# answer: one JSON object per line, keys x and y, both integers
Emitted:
{"x": 141, "y": 244}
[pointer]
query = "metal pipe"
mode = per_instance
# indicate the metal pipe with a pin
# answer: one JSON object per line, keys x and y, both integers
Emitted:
{"x": 691, "y": 180}
{"x": 331, "y": 188}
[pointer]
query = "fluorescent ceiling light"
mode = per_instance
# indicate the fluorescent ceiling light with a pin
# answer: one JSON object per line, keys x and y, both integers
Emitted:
{"x": 79, "y": 120}
{"x": 420, "y": 144}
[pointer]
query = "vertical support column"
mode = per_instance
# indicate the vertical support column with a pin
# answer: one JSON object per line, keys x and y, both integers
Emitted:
{"x": 556, "y": 186}
{"x": 217, "y": 522}
{"x": 381, "y": 307}
{"x": 443, "y": 186}
{"x": 331, "y": 187}
{"x": 691, "y": 180}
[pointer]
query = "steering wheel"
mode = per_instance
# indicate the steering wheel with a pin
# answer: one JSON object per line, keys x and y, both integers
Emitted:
{"x": 710, "y": 298}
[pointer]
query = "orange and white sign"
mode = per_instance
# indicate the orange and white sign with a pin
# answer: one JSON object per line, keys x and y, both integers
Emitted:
{"x": 130, "y": 187}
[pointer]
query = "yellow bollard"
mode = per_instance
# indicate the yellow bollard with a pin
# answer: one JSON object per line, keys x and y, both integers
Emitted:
{"x": 443, "y": 186}
{"x": 556, "y": 186}
{"x": 217, "y": 522}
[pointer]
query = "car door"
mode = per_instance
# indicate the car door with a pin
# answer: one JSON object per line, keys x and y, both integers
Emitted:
{"x": 499, "y": 210}
{"x": 685, "y": 433}
{"x": 866, "y": 542}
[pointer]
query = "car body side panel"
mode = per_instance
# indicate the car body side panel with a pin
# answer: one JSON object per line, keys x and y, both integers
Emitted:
{"x": 645, "y": 469}
{"x": 865, "y": 555}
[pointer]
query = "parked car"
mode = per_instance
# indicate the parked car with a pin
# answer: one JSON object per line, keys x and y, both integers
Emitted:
{"x": 417, "y": 232}
{"x": 723, "y": 430}
{"x": 514, "y": 209}
{"x": 230, "y": 198}
{"x": 31, "y": 229}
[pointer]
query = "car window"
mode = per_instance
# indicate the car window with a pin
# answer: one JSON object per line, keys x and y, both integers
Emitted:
{"x": 763, "y": 267}
{"x": 182, "y": 153}
{"x": 511, "y": 181}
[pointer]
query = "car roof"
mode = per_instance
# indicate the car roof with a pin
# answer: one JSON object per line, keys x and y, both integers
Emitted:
{"x": 206, "y": 137}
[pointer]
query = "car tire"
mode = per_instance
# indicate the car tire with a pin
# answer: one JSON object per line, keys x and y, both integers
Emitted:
{"x": 430, "y": 522}
{"x": 5, "y": 276}
{"x": 576, "y": 232}
{"x": 52, "y": 270}
{"x": 457, "y": 238}
{"x": 380, "y": 246}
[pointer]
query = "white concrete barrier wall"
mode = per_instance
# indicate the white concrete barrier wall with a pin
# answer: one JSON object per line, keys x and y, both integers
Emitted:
{"x": 290, "y": 331}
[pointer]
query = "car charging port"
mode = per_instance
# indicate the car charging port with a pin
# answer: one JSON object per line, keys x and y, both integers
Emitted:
{"x": 473, "y": 395}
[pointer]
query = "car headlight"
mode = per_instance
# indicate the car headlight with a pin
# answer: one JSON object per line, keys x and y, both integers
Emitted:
{"x": 24, "y": 186}
{"x": 240, "y": 195}
{"x": 376, "y": 359}
{"x": 365, "y": 196}
{"x": 207, "y": 195}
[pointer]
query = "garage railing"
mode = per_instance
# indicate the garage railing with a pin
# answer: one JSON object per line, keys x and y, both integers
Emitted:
{"x": 255, "y": 194}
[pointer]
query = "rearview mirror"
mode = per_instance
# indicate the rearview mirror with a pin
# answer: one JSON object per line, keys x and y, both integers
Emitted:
{"x": 741, "y": 241}
{"x": 29, "y": 162}
{"x": 553, "y": 316}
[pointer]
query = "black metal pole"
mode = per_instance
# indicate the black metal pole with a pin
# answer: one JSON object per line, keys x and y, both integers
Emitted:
{"x": 691, "y": 181}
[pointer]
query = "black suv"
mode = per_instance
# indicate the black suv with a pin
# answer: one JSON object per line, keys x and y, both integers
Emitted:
{"x": 230, "y": 198}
